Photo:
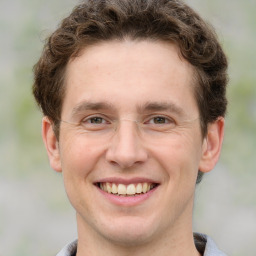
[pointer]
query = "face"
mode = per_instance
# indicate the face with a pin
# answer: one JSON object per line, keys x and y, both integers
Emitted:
{"x": 130, "y": 143}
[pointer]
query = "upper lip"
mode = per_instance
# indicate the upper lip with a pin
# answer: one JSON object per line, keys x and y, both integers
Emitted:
{"x": 119, "y": 180}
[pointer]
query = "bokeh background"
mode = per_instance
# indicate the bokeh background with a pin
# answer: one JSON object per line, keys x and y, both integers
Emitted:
{"x": 35, "y": 215}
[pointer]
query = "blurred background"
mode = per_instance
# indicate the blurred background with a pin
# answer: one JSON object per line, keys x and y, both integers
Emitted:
{"x": 35, "y": 216}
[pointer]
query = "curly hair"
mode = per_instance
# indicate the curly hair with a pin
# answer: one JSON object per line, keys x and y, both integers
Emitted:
{"x": 95, "y": 21}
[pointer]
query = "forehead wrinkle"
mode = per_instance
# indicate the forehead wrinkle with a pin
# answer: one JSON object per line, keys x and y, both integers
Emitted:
{"x": 89, "y": 105}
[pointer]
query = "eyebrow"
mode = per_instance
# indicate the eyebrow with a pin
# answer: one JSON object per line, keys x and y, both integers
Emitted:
{"x": 88, "y": 105}
{"x": 162, "y": 106}
{"x": 148, "y": 106}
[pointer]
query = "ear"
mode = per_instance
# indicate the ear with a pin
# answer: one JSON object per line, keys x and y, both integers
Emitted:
{"x": 51, "y": 144}
{"x": 212, "y": 145}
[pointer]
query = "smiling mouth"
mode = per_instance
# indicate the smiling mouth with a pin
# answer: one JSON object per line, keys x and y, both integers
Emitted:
{"x": 127, "y": 190}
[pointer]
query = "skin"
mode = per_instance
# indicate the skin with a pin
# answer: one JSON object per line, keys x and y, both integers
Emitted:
{"x": 127, "y": 76}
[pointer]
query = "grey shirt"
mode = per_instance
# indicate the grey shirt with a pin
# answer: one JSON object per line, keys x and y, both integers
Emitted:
{"x": 204, "y": 244}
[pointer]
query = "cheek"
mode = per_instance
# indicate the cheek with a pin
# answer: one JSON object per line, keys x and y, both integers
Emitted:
{"x": 179, "y": 156}
{"x": 79, "y": 159}
{"x": 79, "y": 156}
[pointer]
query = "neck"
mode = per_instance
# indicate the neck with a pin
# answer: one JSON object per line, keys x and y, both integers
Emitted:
{"x": 161, "y": 249}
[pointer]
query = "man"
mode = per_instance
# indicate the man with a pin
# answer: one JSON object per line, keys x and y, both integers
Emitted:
{"x": 133, "y": 96}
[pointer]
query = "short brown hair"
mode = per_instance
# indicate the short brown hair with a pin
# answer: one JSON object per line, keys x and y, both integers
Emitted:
{"x": 95, "y": 21}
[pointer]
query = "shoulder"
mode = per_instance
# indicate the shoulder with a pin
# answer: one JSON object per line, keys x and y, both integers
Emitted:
{"x": 69, "y": 249}
{"x": 206, "y": 245}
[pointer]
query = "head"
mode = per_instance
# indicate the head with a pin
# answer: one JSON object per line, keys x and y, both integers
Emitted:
{"x": 94, "y": 22}
{"x": 94, "y": 55}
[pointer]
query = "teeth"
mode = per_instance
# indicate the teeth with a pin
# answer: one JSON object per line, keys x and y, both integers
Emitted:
{"x": 145, "y": 188}
{"x": 109, "y": 189}
{"x": 121, "y": 189}
{"x": 139, "y": 188}
{"x": 130, "y": 190}
{"x": 114, "y": 189}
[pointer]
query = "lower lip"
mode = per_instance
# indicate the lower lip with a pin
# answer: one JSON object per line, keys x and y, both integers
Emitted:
{"x": 127, "y": 200}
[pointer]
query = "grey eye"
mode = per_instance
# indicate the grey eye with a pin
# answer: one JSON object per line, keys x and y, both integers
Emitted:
{"x": 96, "y": 120}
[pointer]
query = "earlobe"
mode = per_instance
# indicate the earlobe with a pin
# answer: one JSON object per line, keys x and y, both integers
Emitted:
{"x": 212, "y": 145}
{"x": 51, "y": 144}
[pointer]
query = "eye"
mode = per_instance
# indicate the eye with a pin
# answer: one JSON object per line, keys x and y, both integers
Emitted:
{"x": 160, "y": 120}
{"x": 94, "y": 123}
{"x": 95, "y": 120}
{"x": 160, "y": 123}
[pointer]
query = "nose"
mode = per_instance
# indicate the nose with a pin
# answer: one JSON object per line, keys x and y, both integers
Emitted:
{"x": 125, "y": 148}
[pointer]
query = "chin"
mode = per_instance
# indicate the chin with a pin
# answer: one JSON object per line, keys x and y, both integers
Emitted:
{"x": 129, "y": 231}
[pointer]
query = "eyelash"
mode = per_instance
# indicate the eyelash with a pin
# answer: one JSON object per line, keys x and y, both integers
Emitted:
{"x": 90, "y": 118}
{"x": 167, "y": 120}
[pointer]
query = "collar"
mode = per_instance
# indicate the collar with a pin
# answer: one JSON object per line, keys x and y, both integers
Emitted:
{"x": 204, "y": 244}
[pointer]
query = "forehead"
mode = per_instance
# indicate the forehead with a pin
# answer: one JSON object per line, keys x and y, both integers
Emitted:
{"x": 130, "y": 73}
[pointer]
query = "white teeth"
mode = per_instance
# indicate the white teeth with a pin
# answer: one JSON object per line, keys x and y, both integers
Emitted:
{"x": 131, "y": 189}
{"x": 145, "y": 188}
{"x": 121, "y": 189}
{"x": 139, "y": 188}
{"x": 109, "y": 189}
{"x": 114, "y": 189}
